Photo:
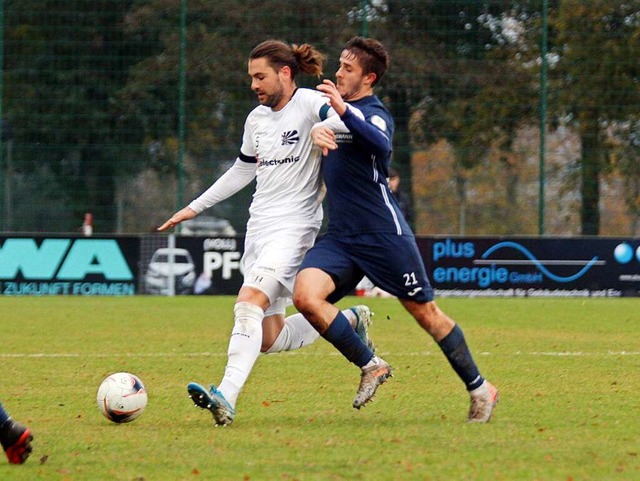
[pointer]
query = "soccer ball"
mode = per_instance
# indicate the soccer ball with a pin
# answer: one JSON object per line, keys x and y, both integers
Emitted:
{"x": 122, "y": 397}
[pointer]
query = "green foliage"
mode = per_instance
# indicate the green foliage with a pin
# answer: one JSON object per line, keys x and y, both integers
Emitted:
{"x": 91, "y": 88}
{"x": 593, "y": 83}
{"x": 565, "y": 368}
{"x": 596, "y": 89}
{"x": 64, "y": 64}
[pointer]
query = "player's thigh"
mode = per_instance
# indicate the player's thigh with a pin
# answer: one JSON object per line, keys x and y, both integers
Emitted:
{"x": 394, "y": 264}
{"x": 327, "y": 272}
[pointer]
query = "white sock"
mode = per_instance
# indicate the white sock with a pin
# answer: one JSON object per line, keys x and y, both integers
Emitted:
{"x": 374, "y": 360}
{"x": 297, "y": 333}
{"x": 351, "y": 317}
{"x": 244, "y": 349}
{"x": 482, "y": 390}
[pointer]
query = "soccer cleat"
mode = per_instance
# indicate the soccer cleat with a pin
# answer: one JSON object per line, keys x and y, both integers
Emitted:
{"x": 483, "y": 402}
{"x": 372, "y": 377}
{"x": 16, "y": 441}
{"x": 363, "y": 316}
{"x": 214, "y": 401}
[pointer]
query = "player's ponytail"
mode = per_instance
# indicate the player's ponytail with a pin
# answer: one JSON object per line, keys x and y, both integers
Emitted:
{"x": 299, "y": 58}
{"x": 309, "y": 59}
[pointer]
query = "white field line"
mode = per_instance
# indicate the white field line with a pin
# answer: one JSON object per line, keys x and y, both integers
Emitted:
{"x": 53, "y": 355}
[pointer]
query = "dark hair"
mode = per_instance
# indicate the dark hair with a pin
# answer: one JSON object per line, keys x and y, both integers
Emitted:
{"x": 371, "y": 54}
{"x": 299, "y": 58}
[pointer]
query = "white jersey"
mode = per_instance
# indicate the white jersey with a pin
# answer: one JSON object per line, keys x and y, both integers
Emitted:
{"x": 289, "y": 186}
{"x": 286, "y": 211}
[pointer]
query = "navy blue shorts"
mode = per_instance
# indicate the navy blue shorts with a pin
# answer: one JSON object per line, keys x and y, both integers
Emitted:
{"x": 392, "y": 262}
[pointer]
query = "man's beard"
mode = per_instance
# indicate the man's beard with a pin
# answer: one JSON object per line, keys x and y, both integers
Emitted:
{"x": 272, "y": 100}
{"x": 348, "y": 95}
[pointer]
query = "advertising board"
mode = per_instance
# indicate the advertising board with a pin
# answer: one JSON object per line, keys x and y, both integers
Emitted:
{"x": 457, "y": 266}
{"x": 533, "y": 267}
{"x": 48, "y": 265}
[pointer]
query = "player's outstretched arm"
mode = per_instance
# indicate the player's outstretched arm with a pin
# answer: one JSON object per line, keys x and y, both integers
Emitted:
{"x": 238, "y": 176}
{"x": 180, "y": 216}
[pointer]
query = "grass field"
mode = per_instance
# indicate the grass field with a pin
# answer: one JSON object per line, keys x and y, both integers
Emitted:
{"x": 568, "y": 371}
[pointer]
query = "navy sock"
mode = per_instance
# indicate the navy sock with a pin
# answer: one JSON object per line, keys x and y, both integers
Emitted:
{"x": 4, "y": 416}
{"x": 455, "y": 348}
{"x": 345, "y": 340}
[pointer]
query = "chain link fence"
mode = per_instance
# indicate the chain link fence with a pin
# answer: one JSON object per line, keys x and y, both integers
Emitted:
{"x": 512, "y": 117}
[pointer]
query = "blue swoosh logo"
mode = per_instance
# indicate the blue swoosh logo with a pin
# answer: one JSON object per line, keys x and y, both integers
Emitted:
{"x": 538, "y": 264}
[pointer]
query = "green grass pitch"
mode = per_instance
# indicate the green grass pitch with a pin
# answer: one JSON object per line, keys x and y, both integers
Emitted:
{"x": 568, "y": 371}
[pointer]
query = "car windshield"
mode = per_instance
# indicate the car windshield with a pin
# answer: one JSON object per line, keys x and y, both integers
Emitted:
{"x": 177, "y": 258}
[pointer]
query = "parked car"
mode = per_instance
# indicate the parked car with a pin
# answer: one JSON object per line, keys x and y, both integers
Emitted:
{"x": 161, "y": 269}
{"x": 207, "y": 226}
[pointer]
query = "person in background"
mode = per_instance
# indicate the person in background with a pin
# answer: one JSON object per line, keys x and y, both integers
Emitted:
{"x": 402, "y": 197}
{"x": 87, "y": 225}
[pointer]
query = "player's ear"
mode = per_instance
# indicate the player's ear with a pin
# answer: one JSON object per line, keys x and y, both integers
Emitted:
{"x": 370, "y": 78}
{"x": 285, "y": 71}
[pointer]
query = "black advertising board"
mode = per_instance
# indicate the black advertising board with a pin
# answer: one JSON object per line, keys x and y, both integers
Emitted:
{"x": 457, "y": 266}
{"x": 217, "y": 263}
{"x": 193, "y": 264}
{"x": 533, "y": 267}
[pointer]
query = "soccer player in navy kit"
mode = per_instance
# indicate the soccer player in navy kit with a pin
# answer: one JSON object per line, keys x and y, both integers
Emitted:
{"x": 368, "y": 235}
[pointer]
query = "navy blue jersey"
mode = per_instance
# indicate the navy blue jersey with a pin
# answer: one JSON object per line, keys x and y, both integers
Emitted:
{"x": 367, "y": 234}
{"x": 358, "y": 196}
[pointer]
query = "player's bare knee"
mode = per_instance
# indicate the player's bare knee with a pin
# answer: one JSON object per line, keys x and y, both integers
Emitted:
{"x": 427, "y": 314}
{"x": 302, "y": 301}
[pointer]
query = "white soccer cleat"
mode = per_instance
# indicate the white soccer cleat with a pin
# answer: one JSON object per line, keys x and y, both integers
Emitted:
{"x": 372, "y": 377}
{"x": 483, "y": 401}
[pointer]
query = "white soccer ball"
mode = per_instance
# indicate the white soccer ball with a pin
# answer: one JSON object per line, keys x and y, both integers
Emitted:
{"x": 122, "y": 397}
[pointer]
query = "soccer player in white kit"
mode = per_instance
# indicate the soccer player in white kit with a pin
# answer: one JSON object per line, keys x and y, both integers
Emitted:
{"x": 285, "y": 216}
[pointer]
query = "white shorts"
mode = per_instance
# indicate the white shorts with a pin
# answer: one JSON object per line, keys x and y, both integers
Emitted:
{"x": 271, "y": 261}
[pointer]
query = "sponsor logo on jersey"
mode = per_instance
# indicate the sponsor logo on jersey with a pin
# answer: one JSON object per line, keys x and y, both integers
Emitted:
{"x": 290, "y": 137}
{"x": 344, "y": 137}
{"x": 272, "y": 162}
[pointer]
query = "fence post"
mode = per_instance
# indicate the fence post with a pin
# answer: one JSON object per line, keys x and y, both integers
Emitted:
{"x": 182, "y": 76}
{"x": 171, "y": 275}
{"x": 543, "y": 119}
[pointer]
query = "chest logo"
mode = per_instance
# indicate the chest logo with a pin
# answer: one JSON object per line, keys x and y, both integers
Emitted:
{"x": 290, "y": 137}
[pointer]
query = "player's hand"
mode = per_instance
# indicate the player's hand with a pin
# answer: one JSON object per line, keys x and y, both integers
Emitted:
{"x": 324, "y": 138}
{"x": 182, "y": 215}
{"x": 329, "y": 89}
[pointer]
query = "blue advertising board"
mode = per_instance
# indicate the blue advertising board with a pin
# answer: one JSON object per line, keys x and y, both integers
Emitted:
{"x": 530, "y": 267}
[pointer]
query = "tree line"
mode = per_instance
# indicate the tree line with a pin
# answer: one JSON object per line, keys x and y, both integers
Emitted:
{"x": 91, "y": 94}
